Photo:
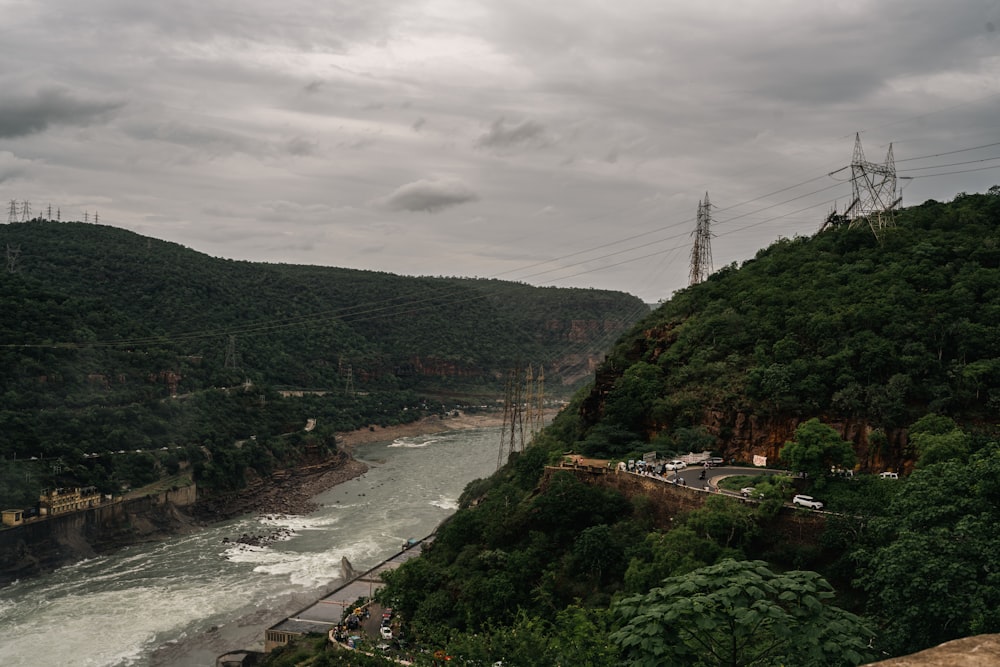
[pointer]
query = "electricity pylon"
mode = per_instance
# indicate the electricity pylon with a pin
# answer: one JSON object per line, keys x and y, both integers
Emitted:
{"x": 512, "y": 433}
{"x": 701, "y": 252}
{"x": 231, "y": 361}
{"x": 874, "y": 188}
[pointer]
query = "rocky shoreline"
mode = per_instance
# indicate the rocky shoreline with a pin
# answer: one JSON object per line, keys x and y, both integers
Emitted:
{"x": 291, "y": 491}
{"x": 287, "y": 491}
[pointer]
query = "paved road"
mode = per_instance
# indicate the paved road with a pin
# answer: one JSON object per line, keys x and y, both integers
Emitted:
{"x": 691, "y": 474}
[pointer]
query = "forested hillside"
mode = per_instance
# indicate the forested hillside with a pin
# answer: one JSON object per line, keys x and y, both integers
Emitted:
{"x": 866, "y": 334}
{"x": 841, "y": 351}
{"x": 114, "y": 342}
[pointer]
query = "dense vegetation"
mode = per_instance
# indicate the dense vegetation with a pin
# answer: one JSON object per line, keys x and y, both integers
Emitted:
{"x": 900, "y": 334}
{"x": 837, "y": 325}
{"x": 125, "y": 358}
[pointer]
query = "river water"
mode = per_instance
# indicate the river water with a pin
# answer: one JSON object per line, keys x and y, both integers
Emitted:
{"x": 183, "y": 601}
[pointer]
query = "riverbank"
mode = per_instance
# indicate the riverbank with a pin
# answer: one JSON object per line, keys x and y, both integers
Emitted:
{"x": 286, "y": 492}
{"x": 291, "y": 491}
{"x": 455, "y": 420}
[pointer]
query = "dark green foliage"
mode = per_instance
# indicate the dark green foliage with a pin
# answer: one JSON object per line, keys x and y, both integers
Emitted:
{"x": 816, "y": 449}
{"x": 936, "y": 439}
{"x": 576, "y": 636}
{"x": 740, "y": 613}
{"x": 115, "y": 342}
{"x": 837, "y": 325}
{"x": 931, "y": 566}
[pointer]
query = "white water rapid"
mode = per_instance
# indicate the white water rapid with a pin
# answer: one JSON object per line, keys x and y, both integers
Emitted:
{"x": 183, "y": 601}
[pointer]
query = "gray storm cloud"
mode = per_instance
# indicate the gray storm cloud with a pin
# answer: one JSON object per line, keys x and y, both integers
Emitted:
{"x": 602, "y": 120}
{"x": 50, "y": 106}
{"x": 429, "y": 195}
{"x": 526, "y": 134}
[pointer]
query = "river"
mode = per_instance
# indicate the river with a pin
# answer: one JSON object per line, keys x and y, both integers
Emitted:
{"x": 183, "y": 601}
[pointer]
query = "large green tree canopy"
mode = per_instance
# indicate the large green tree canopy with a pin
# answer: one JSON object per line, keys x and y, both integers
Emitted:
{"x": 933, "y": 571}
{"x": 817, "y": 448}
{"x": 740, "y": 614}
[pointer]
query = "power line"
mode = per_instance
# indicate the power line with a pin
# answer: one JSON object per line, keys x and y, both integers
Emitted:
{"x": 953, "y": 164}
{"x": 361, "y": 312}
{"x": 957, "y": 171}
{"x": 960, "y": 150}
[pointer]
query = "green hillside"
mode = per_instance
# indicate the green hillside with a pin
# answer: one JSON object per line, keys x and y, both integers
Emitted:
{"x": 869, "y": 335}
{"x": 112, "y": 341}
{"x": 859, "y": 352}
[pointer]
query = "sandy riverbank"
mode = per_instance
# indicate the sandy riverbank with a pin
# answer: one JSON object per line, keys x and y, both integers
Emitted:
{"x": 434, "y": 424}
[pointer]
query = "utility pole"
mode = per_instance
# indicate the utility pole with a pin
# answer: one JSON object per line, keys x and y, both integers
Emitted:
{"x": 95, "y": 217}
{"x": 701, "y": 251}
{"x": 874, "y": 188}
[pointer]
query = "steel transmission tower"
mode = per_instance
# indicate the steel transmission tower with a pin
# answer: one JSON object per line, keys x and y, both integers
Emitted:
{"x": 12, "y": 211}
{"x": 537, "y": 423}
{"x": 874, "y": 189}
{"x": 523, "y": 410}
{"x": 349, "y": 381}
{"x": 512, "y": 432}
{"x": 534, "y": 400}
{"x": 701, "y": 252}
{"x": 13, "y": 253}
{"x": 231, "y": 361}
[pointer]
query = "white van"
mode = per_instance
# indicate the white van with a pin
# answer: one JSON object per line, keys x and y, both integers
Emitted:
{"x": 889, "y": 475}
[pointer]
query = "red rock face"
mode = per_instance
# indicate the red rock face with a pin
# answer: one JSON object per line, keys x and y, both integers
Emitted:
{"x": 742, "y": 435}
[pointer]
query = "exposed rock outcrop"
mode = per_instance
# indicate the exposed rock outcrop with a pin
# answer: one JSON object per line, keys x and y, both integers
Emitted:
{"x": 978, "y": 651}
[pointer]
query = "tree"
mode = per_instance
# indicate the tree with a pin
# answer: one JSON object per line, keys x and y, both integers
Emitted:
{"x": 677, "y": 551}
{"x": 740, "y": 613}
{"x": 937, "y": 438}
{"x": 816, "y": 448}
{"x": 932, "y": 572}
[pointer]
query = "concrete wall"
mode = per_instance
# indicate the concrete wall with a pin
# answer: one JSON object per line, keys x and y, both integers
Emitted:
{"x": 670, "y": 500}
{"x": 44, "y": 544}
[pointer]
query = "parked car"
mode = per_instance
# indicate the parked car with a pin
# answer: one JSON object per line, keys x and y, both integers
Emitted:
{"x": 807, "y": 501}
{"x": 386, "y": 632}
{"x": 714, "y": 461}
{"x": 676, "y": 464}
{"x": 889, "y": 475}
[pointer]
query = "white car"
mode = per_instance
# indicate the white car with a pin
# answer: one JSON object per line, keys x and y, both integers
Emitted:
{"x": 889, "y": 475}
{"x": 750, "y": 492}
{"x": 675, "y": 465}
{"x": 807, "y": 501}
{"x": 386, "y": 632}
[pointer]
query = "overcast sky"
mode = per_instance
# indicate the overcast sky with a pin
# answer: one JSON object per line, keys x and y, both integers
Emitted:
{"x": 557, "y": 143}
